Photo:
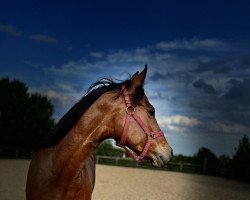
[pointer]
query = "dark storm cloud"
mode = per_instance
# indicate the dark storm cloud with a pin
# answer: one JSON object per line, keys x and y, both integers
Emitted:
{"x": 234, "y": 82}
{"x": 186, "y": 78}
{"x": 244, "y": 62}
{"x": 182, "y": 77}
{"x": 215, "y": 66}
{"x": 201, "y": 84}
{"x": 240, "y": 93}
{"x": 158, "y": 76}
{"x": 232, "y": 107}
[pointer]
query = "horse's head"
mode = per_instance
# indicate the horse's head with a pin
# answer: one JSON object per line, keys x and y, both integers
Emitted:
{"x": 136, "y": 128}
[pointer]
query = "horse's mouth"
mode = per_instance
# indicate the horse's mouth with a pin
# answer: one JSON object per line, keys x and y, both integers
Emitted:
{"x": 158, "y": 160}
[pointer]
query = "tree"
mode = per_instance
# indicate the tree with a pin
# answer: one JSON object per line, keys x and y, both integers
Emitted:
{"x": 241, "y": 160}
{"x": 25, "y": 118}
{"x": 208, "y": 159}
{"x": 225, "y": 165}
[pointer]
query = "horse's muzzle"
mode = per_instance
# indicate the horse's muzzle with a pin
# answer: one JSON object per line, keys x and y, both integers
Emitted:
{"x": 162, "y": 157}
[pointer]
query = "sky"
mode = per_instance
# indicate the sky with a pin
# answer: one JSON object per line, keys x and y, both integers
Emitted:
{"x": 198, "y": 54}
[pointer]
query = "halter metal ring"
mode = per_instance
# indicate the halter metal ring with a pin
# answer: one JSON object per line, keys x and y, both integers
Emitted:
{"x": 130, "y": 110}
{"x": 151, "y": 135}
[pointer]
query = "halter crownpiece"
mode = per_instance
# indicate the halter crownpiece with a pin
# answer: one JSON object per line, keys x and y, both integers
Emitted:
{"x": 130, "y": 113}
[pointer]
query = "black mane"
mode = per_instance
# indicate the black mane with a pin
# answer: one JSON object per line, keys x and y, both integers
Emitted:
{"x": 66, "y": 123}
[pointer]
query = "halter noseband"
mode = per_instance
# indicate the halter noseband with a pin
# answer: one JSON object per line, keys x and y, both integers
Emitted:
{"x": 130, "y": 113}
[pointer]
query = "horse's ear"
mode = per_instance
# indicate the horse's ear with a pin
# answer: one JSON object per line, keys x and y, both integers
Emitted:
{"x": 139, "y": 78}
{"x": 135, "y": 74}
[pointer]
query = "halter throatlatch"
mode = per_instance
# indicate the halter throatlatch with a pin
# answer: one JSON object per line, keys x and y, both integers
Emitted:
{"x": 130, "y": 113}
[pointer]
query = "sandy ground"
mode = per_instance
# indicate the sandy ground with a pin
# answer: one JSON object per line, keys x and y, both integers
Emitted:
{"x": 119, "y": 183}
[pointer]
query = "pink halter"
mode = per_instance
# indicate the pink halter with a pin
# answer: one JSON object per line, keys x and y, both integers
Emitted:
{"x": 130, "y": 113}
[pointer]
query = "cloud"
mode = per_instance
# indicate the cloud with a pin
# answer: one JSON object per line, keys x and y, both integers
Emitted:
{"x": 133, "y": 56}
{"x": 76, "y": 69}
{"x": 232, "y": 106}
{"x": 201, "y": 84}
{"x": 178, "y": 121}
{"x": 181, "y": 77}
{"x": 156, "y": 95}
{"x": 185, "y": 125}
{"x": 216, "y": 66}
{"x": 234, "y": 81}
{"x": 97, "y": 54}
{"x": 33, "y": 64}
{"x": 158, "y": 76}
{"x": 193, "y": 44}
{"x": 232, "y": 128}
{"x": 240, "y": 93}
{"x": 170, "y": 84}
{"x": 9, "y": 29}
{"x": 171, "y": 74}
{"x": 43, "y": 38}
{"x": 164, "y": 66}
{"x": 61, "y": 98}
{"x": 244, "y": 62}
{"x": 120, "y": 61}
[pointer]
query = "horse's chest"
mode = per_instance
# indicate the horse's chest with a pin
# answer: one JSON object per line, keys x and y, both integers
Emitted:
{"x": 81, "y": 185}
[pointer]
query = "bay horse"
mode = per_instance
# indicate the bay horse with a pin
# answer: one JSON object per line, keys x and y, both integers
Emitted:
{"x": 64, "y": 168}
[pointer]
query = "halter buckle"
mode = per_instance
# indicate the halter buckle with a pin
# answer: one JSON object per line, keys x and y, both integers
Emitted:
{"x": 130, "y": 110}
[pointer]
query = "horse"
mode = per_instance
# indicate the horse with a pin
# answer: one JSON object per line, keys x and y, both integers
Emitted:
{"x": 64, "y": 167}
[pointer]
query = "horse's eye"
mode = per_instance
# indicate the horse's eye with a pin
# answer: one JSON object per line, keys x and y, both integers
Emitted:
{"x": 151, "y": 112}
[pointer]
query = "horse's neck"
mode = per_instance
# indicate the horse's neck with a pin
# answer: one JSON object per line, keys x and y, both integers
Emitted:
{"x": 74, "y": 154}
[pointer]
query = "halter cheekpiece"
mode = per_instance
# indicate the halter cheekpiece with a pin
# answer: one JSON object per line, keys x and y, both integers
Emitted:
{"x": 130, "y": 113}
